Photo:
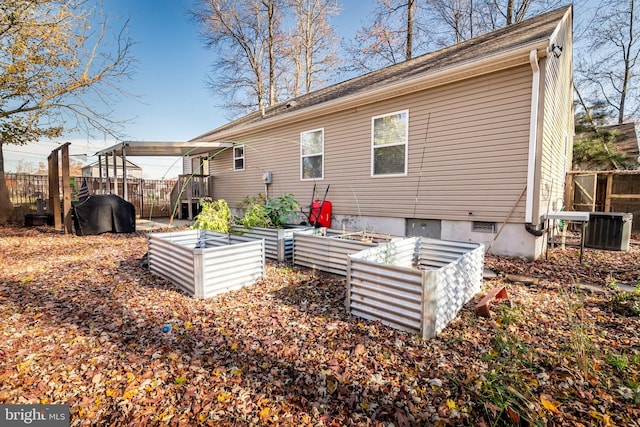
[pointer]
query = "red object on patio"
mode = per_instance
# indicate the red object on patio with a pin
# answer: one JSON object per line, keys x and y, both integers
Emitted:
{"x": 320, "y": 215}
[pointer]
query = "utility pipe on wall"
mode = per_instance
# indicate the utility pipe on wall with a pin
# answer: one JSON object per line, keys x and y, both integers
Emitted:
{"x": 533, "y": 135}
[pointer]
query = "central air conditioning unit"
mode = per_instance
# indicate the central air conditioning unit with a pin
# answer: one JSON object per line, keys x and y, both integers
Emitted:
{"x": 609, "y": 231}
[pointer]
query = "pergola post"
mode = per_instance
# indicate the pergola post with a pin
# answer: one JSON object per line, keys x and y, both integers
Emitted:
{"x": 115, "y": 173}
{"x": 106, "y": 171}
{"x": 125, "y": 193}
{"x": 101, "y": 186}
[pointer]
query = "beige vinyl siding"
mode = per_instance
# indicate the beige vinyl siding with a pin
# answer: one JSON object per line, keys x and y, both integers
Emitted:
{"x": 557, "y": 132}
{"x": 475, "y": 155}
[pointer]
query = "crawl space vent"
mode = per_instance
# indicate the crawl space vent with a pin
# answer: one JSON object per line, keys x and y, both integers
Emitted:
{"x": 484, "y": 227}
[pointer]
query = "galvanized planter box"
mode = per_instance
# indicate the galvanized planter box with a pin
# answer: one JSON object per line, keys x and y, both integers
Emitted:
{"x": 417, "y": 285}
{"x": 205, "y": 263}
{"x": 278, "y": 241}
{"x": 328, "y": 253}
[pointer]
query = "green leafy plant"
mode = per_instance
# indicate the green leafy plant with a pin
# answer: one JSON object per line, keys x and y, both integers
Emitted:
{"x": 626, "y": 302}
{"x": 281, "y": 209}
{"x": 274, "y": 212}
{"x": 256, "y": 216}
{"x": 215, "y": 215}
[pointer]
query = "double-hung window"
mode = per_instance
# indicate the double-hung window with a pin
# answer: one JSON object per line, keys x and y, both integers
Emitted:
{"x": 312, "y": 154}
{"x": 389, "y": 139}
{"x": 238, "y": 157}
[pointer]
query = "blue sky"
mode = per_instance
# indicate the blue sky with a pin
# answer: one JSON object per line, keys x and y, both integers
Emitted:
{"x": 172, "y": 102}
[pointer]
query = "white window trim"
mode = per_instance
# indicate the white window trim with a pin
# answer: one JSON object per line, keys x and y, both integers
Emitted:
{"x": 310, "y": 155}
{"x": 405, "y": 143}
{"x": 244, "y": 157}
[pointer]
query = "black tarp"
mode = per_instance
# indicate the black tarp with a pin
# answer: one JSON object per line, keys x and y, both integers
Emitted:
{"x": 106, "y": 213}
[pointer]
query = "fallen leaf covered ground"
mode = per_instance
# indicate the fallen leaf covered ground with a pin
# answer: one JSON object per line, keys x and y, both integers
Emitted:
{"x": 85, "y": 323}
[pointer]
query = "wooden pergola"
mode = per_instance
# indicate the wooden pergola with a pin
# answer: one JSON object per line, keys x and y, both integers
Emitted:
{"x": 149, "y": 149}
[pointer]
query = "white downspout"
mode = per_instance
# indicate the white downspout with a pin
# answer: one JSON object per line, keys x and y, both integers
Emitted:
{"x": 533, "y": 135}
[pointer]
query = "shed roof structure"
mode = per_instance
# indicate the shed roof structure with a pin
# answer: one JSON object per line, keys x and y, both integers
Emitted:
{"x": 161, "y": 148}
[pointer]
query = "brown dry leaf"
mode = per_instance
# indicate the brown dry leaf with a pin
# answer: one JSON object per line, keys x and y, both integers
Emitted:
{"x": 83, "y": 313}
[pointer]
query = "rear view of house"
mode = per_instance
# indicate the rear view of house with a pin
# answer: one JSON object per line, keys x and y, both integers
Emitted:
{"x": 467, "y": 143}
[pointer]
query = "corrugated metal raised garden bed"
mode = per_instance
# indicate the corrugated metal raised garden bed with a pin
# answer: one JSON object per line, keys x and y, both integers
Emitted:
{"x": 206, "y": 263}
{"x": 418, "y": 284}
{"x": 329, "y": 252}
{"x": 278, "y": 241}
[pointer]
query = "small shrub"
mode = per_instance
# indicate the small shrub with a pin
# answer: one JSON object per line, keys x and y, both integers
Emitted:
{"x": 214, "y": 216}
{"x": 274, "y": 212}
{"x": 256, "y": 216}
{"x": 281, "y": 209}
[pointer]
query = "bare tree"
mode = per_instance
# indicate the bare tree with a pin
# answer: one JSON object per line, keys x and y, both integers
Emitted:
{"x": 457, "y": 15}
{"x": 51, "y": 64}
{"x": 514, "y": 11}
{"x": 394, "y": 34}
{"x": 312, "y": 47}
{"x": 464, "y": 19}
{"x": 243, "y": 34}
{"x": 272, "y": 19}
{"x": 608, "y": 71}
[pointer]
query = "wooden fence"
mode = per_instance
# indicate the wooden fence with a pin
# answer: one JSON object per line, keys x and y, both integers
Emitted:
{"x": 604, "y": 191}
{"x": 150, "y": 197}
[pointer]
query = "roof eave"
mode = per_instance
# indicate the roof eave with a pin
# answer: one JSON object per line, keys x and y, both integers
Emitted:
{"x": 507, "y": 59}
{"x": 162, "y": 148}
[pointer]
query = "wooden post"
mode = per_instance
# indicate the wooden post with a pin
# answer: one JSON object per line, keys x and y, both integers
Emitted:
{"x": 125, "y": 192}
{"x": 54, "y": 190}
{"x": 607, "y": 200}
{"x": 115, "y": 173}
{"x": 66, "y": 189}
{"x": 568, "y": 192}
{"x": 106, "y": 173}
{"x": 100, "y": 186}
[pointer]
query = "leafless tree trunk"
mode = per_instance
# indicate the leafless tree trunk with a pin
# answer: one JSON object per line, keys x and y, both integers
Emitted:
{"x": 271, "y": 23}
{"x": 411, "y": 9}
{"x": 629, "y": 57}
{"x": 244, "y": 36}
{"x": 610, "y": 62}
{"x": 513, "y": 13}
{"x": 585, "y": 107}
{"x": 393, "y": 29}
{"x": 313, "y": 44}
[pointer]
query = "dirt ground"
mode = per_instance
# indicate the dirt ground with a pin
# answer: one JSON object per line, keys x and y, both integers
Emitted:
{"x": 84, "y": 323}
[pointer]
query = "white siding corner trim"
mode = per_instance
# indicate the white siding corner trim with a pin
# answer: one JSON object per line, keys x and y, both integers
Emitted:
{"x": 533, "y": 134}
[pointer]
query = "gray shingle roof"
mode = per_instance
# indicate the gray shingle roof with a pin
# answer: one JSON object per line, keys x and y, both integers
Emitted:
{"x": 532, "y": 30}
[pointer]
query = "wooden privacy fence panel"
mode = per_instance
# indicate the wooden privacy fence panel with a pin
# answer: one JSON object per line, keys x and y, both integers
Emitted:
{"x": 205, "y": 263}
{"x": 604, "y": 191}
{"x": 418, "y": 285}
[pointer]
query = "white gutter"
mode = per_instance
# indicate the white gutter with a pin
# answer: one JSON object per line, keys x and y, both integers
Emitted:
{"x": 533, "y": 135}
